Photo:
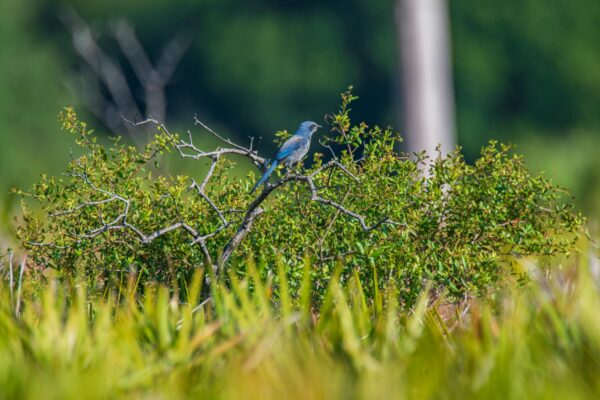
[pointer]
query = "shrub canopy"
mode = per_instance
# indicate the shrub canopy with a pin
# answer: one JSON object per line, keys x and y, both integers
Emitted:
{"x": 425, "y": 219}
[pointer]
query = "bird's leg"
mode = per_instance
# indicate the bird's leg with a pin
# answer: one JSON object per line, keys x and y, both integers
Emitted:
{"x": 288, "y": 172}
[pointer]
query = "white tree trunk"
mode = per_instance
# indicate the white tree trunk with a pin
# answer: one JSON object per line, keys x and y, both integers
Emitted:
{"x": 426, "y": 93}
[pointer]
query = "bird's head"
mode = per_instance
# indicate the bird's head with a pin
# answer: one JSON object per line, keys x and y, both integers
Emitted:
{"x": 308, "y": 128}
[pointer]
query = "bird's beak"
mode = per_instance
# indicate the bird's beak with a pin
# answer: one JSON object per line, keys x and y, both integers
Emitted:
{"x": 318, "y": 126}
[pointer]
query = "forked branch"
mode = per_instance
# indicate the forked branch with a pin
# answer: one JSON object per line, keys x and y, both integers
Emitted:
{"x": 101, "y": 70}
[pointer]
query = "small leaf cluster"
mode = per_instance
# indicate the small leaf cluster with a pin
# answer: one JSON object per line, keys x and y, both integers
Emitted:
{"x": 442, "y": 220}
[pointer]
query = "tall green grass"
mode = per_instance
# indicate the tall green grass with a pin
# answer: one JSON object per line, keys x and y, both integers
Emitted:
{"x": 542, "y": 341}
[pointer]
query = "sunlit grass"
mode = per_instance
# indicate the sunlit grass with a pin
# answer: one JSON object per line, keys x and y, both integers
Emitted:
{"x": 542, "y": 341}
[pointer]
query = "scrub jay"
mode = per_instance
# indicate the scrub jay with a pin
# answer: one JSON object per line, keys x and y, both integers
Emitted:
{"x": 292, "y": 150}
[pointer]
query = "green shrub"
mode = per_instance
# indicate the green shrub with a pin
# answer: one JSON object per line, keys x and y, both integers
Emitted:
{"x": 371, "y": 212}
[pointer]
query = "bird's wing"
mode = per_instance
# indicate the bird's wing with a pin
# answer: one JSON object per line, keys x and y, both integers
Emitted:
{"x": 291, "y": 145}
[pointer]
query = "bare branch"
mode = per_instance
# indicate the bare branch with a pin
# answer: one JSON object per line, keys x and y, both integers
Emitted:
{"x": 329, "y": 148}
{"x": 133, "y": 50}
{"x": 89, "y": 91}
{"x": 200, "y": 190}
{"x": 109, "y": 71}
{"x": 309, "y": 180}
{"x": 241, "y": 233}
{"x": 152, "y": 78}
{"x": 331, "y": 164}
{"x": 171, "y": 56}
{"x": 315, "y": 197}
{"x": 227, "y": 141}
{"x": 196, "y": 153}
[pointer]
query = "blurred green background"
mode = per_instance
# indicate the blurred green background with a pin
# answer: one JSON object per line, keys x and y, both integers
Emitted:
{"x": 525, "y": 71}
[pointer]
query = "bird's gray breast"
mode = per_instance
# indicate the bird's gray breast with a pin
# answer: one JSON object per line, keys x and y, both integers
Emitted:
{"x": 299, "y": 153}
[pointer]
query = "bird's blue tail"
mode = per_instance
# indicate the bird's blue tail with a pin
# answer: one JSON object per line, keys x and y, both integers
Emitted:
{"x": 265, "y": 176}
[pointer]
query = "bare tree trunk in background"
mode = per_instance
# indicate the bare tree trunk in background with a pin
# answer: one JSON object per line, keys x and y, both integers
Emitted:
{"x": 103, "y": 70}
{"x": 426, "y": 91}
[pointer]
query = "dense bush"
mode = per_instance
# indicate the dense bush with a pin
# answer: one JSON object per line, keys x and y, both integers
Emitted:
{"x": 438, "y": 219}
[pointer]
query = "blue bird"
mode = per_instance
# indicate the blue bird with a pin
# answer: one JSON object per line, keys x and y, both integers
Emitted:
{"x": 292, "y": 151}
